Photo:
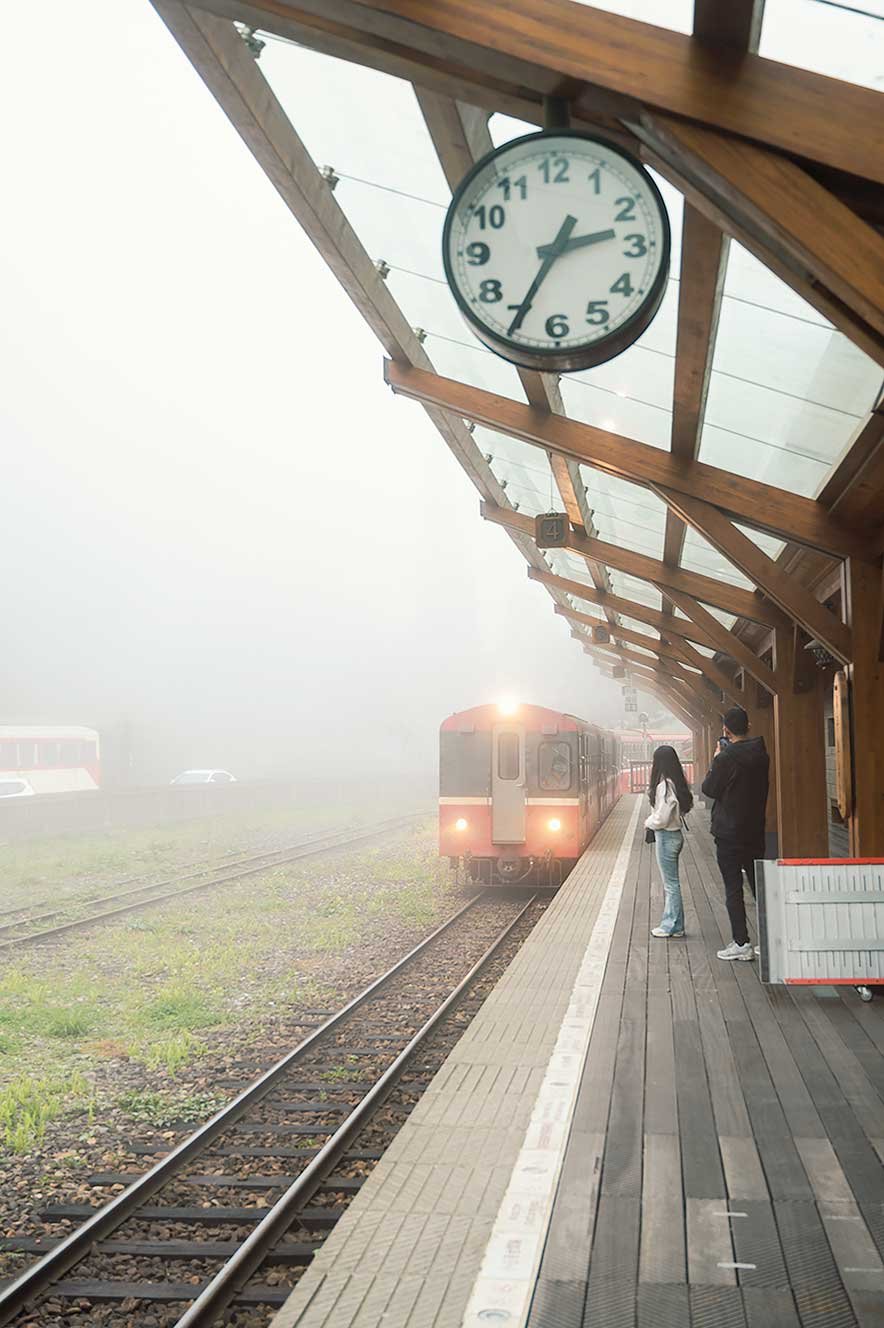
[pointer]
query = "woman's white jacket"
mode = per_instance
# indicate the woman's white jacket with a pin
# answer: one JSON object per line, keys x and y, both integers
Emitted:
{"x": 667, "y": 813}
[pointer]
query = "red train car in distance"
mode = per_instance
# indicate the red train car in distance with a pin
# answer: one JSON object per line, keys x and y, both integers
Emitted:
{"x": 522, "y": 791}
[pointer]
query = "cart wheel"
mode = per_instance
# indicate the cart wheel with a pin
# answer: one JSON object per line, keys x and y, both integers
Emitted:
{"x": 864, "y": 993}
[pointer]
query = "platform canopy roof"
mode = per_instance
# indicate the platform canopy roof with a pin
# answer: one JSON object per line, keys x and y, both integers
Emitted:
{"x": 740, "y": 440}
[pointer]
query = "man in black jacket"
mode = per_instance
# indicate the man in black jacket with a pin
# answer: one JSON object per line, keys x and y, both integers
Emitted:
{"x": 738, "y": 780}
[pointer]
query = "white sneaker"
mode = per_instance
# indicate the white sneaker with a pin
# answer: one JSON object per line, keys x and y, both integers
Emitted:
{"x": 734, "y": 951}
{"x": 658, "y": 931}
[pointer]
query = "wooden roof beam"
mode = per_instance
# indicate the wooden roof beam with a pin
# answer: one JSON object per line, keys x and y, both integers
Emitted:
{"x": 685, "y": 688}
{"x": 731, "y": 599}
{"x": 682, "y": 652}
{"x": 675, "y": 627}
{"x": 724, "y": 640}
{"x": 703, "y": 263}
{"x": 522, "y": 50}
{"x": 799, "y": 603}
{"x": 854, "y": 492}
{"x": 762, "y": 506}
{"x": 794, "y": 225}
{"x": 735, "y": 25}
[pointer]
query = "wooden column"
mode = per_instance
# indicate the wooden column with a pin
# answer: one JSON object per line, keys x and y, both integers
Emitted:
{"x": 800, "y": 753}
{"x": 864, "y": 600}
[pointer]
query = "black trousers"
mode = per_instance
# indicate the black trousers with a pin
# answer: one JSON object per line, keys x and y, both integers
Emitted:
{"x": 733, "y": 860}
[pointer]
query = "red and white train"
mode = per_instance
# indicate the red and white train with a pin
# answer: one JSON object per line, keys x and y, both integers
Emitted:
{"x": 522, "y": 791}
{"x": 38, "y": 758}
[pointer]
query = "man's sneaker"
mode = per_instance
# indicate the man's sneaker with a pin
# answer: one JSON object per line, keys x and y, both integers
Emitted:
{"x": 658, "y": 931}
{"x": 734, "y": 951}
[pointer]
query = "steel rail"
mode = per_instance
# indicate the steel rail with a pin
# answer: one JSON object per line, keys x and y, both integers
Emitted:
{"x": 229, "y": 1280}
{"x": 78, "y": 1244}
{"x": 290, "y": 855}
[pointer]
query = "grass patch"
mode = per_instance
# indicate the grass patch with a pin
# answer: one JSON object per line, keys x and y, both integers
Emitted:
{"x": 179, "y": 1007}
{"x": 27, "y": 1105}
{"x": 162, "y": 1109}
{"x": 173, "y": 1053}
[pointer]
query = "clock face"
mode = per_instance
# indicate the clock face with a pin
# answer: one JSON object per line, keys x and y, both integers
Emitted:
{"x": 556, "y": 247}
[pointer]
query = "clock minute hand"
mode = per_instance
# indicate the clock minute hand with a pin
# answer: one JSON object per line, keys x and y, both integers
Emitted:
{"x": 551, "y": 253}
{"x": 577, "y": 242}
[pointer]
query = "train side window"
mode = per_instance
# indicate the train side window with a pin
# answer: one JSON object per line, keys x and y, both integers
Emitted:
{"x": 554, "y": 761}
{"x": 508, "y": 756}
{"x": 49, "y": 753}
{"x": 8, "y": 756}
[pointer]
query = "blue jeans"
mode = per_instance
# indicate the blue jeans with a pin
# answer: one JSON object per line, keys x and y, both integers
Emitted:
{"x": 669, "y": 844}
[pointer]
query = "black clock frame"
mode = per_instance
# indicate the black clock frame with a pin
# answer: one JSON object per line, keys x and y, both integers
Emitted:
{"x": 576, "y": 357}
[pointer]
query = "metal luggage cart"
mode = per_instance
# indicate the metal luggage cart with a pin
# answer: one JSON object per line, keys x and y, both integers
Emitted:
{"x": 821, "y": 921}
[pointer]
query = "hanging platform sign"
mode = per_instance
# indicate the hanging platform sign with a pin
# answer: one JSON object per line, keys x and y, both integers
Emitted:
{"x": 556, "y": 249}
{"x": 551, "y": 530}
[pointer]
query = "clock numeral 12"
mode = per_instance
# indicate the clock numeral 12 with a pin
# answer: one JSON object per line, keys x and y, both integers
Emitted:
{"x": 555, "y": 170}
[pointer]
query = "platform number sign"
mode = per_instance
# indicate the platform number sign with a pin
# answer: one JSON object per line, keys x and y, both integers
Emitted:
{"x": 556, "y": 249}
{"x": 630, "y": 700}
{"x": 551, "y": 530}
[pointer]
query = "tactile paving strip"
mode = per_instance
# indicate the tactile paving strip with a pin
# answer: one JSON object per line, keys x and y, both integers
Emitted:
{"x": 717, "y": 1307}
{"x": 663, "y": 1305}
{"x": 819, "y": 1292}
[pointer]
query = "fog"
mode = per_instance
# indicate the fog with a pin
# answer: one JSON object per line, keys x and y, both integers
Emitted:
{"x": 220, "y": 529}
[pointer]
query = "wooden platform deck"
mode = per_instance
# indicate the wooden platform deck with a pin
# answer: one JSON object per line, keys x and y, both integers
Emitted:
{"x": 721, "y": 1160}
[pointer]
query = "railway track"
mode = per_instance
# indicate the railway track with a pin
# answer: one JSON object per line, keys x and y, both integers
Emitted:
{"x": 232, "y": 1215}
{"x": 20, "y": 931}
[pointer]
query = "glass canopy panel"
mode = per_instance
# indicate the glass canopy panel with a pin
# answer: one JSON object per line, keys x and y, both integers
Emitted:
{"x": 625, "y": 514}
{"x": 844, "y": 41}
{"x": 786, "y": 390}
{"x": 700, "y": 556}
{"x": 677, "y": 15}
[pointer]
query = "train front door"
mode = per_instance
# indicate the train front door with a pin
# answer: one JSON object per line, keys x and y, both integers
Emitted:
{"x": 508, "y": 784}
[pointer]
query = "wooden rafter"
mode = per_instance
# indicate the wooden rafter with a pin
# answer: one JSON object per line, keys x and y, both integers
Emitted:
{"x": 755, "y": 503}
{"x": 855, "y": 491}
{"x": 521, "y": 50}
{"x": 725, "y": 641}
{"x": 721, "y": 595}
{"x": 735, "y": 26}
{"x": 762, "y": 506}
{"x": 673, "y": 627}
{"x": 793, "y": 224}
{"x": 793, "y": 598}
{"x": 686, "y": 692}
{"x": 703, "y": 262}
{"x": 664, "y": 648}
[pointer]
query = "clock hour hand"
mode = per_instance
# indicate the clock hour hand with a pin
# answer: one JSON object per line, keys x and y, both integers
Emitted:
{"x": 551, "y": 253}
{"x": 577, "y": 242}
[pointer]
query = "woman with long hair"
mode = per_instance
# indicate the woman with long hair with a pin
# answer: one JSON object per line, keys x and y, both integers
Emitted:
{"x": 671, "y": 800}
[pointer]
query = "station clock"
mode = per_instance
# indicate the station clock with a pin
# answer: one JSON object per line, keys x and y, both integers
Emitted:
{"x": 556, "y": 248}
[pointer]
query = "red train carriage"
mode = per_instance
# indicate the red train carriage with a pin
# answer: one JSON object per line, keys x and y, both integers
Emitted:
{"x": 522, "y": 791}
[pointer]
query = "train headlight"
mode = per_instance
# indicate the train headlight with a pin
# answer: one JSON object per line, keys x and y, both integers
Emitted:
{"x": 507, "y": 707}
{"x": 460, "y": 823}
{"x": 554, "y": 823}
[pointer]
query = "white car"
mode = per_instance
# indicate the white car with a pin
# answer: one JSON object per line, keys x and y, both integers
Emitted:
{"x": 11, "y": 786}
{"x": 204, "y": 777}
